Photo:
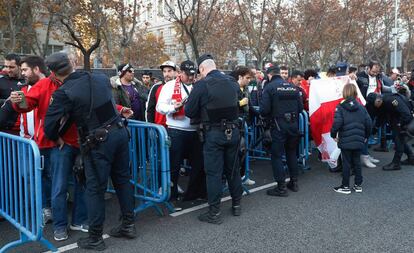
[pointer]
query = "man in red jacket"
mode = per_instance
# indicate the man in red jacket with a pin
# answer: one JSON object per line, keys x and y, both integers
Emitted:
{"x": 33, "y": 70}
{"x": 62, "y": 155}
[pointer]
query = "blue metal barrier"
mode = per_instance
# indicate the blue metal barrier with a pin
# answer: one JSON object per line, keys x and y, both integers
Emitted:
{"x": 21, "y": 189}
{"x": 149, "y": 154}
{"x": 255, "y": 150}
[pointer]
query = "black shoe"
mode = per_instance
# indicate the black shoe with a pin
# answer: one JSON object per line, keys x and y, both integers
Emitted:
{"x": 342, "y": 189}
{"x": 293, "y": 186}
{"x": 126, "y": 229}
{"x": 92, "y": 243}
{"x": 392, "y": 166}
{"x": 210, "y": 217}
{"x": 381, "y": 149}
{"x": 408, "y": 161}
{"x": 277, "y": 192}
{"x": 236, "y": 210}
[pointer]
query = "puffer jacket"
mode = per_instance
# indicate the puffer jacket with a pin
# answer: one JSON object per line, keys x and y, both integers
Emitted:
{"x": 352, "y": 124}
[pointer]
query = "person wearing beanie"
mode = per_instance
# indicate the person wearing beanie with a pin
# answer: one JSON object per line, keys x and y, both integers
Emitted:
{"x": 129, "y": 91}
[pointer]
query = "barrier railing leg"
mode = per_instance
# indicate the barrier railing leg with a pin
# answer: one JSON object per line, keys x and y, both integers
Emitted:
{"x": 23, "y": 240}
{"x": 169, "y": 206}
{"x": 48, "y": 244}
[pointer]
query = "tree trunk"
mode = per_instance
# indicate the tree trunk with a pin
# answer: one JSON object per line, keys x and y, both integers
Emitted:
{"x": 87, "y": 61}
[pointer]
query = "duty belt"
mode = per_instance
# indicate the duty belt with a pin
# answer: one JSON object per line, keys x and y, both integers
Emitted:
{"x": 226, "y": 126}
{"x": 101, "y": 134}
{"x": 288, "y": 117}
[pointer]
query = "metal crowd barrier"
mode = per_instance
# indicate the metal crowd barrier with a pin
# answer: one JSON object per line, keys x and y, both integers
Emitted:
{"x": 21, "y": 189}
{"x": 149, "y": 155}
{"x": 256, "y": 151}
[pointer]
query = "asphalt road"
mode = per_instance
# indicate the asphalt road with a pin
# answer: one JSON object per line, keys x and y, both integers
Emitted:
{"x": 316, "y": 219}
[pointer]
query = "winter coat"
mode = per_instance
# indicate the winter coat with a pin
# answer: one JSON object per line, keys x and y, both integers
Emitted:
{"x": 352, "y": 124}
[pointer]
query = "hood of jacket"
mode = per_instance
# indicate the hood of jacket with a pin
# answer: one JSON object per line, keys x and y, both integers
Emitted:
{"x": 350, "y": 105}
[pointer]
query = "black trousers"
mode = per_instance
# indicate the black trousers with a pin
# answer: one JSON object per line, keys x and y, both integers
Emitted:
{"x": 351, "y": 159}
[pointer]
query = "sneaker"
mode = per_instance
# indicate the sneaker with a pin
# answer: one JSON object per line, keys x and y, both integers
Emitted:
{"x": 236, "y": 210}
{"x": 46, "y": 215}
{"x": 248, "y": 181}
{"x": 60, "y": 234}
{"x": 357, "y": 188}
{"x": 180, "y": 190}
{"x": 373, "y": 160}
{"x": 83, "y": 227}
{"x": 342, "y": 189}
{"x": 365, "y": 161}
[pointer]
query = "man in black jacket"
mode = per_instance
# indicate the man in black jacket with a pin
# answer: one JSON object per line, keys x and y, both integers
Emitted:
{"x": 394, "y": 109}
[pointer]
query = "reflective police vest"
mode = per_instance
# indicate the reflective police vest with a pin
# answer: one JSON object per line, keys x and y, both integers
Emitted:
{"x": 222, "y": 100}
{"x": 92, "y": 96}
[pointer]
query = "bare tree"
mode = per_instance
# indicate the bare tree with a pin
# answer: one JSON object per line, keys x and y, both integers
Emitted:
{"x": 194, "y": 18}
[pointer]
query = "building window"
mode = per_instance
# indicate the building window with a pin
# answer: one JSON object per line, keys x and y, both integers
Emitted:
{"x": 160, "y": 8}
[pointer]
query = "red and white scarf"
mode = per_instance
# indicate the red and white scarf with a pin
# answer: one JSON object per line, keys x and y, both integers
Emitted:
{"x": 178, "y": 98}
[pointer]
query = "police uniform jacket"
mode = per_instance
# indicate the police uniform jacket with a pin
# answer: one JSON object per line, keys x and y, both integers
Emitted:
{"x": 395, "y": 109}
{"x": 196, "y": 106}
{"x": 289, "y": 103}
{"x": 73, "y": 100}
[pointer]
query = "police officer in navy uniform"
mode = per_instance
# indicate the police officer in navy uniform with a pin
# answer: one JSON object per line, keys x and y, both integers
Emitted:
{"x": 281, "y": 104}
{"x": 86, "y": 99}
{"x": 395, "y": 109}
{"x": 214, "y": 100}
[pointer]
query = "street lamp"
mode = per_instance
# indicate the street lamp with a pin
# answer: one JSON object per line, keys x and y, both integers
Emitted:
{"x": 395, "y": 33}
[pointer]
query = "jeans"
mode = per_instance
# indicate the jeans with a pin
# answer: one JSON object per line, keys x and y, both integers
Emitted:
{"x": 108, "y": 158}
{"x": 46, "y": 178}
{"x": 351, "y": 159}
{"x": 221, "y": 157}
{"x": 62, "y": 161}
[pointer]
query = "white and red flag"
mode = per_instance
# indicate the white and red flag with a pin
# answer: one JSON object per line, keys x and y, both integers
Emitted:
{"x": 324, "y": 96}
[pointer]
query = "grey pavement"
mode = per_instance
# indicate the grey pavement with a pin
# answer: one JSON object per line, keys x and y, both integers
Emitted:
{"x": 316, "y": 219}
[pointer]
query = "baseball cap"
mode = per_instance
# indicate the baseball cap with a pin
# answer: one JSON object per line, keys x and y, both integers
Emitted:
{"x": 188, "y": 67}
{"x": 203, "y": 58}
{"x": 58, "y": 62}
{"x": 168, "y": 64}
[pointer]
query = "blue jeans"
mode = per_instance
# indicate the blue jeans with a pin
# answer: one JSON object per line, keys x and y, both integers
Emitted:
{"x": 62, "y": 161}
{"x": 46, "y": 177}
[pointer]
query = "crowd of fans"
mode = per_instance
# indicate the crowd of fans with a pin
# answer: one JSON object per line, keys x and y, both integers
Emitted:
{"x": 161, "y": 102}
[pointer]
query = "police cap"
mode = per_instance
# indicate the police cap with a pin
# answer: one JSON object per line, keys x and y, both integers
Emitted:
{"x": 58, "y": 62}
{"x": 341, "y": 68}
{"x": 275, "y": 69}
{"x": 203, "y": 58}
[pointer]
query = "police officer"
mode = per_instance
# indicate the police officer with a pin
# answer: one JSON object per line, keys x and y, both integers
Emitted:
{"x": 281, "y": 104}
{"x": 395, "y": 109}
{"x": 86, "y": 100}
{"x": 214, "y": 101}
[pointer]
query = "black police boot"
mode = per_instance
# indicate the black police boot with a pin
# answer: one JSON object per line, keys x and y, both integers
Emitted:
{"x": 236, "y": 208}
{"x": 408, "y": 161}
{"x": 126, "y": 229}
{"x": 94, "y": 241}
{"x": 279, "y": 190}
{"x": 213, "y": 215}
{"x": 392, "y": 166}
{"x": 293, "y": 185}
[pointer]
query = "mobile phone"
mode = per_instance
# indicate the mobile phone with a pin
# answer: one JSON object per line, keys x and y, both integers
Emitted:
{"x": 23, "y": 103}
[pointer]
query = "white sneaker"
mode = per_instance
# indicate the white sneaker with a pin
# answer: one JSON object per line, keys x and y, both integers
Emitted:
{"x": 248, "y": 181}
{"x": 366, "y": 162}
{"x": 180, "y": 190}
{"x": 373, "y": 160}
